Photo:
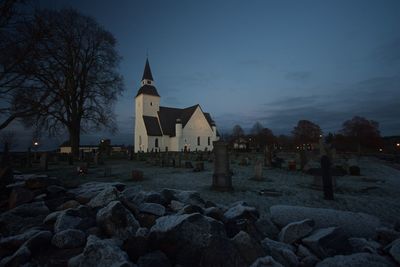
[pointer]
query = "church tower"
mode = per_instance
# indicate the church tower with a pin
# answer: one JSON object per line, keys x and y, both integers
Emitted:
{"x": 147, "y": 104}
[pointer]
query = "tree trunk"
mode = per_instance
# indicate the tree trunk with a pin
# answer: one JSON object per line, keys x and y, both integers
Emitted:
{"x": 74, "y": 139}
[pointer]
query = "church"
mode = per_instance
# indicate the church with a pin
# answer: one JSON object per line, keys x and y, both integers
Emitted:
{"x": 161, "y": 129}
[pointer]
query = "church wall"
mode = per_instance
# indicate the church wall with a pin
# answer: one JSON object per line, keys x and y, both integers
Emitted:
{"x": 197, "y": 126}
{"x": 150, "y": 105}
{"x": 174, "y": 144}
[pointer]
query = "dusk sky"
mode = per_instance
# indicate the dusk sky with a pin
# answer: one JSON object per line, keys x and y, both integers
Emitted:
{"x": 275, "y": 62}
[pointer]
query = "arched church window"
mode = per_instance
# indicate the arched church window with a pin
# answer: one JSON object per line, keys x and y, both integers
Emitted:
{"x": 156, "y": 142}
{"x": 140, "y": 139}
{"x": 198, "y": 140}
{"x": 209, "y": 140}
{"x": 151, "y": 103}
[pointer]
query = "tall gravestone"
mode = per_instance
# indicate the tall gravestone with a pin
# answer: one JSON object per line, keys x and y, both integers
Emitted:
{"x": 327, "y": 183}
{"x": 258, "y": 171}
{"x": 29, "y": 158}
{"x": 222, "y": 179}
{"x": 44, "y": 161}
{"x": 267, "y": 157}
{"x": 6, "y": 172}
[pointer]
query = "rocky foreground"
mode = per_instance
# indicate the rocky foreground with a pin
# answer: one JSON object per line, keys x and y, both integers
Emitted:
{"x": 110, "y": 224}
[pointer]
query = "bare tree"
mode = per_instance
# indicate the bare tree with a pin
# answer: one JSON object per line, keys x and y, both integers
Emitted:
{"x": 237, "y": 131}
{"x": 257, "y": 128}
{"x": 73, "y": 74}
{"x": 14, "y": 49}
{"x": 362, "y": 132}
{"x": 306, "y": 132}
{"x": 9, "y": 138}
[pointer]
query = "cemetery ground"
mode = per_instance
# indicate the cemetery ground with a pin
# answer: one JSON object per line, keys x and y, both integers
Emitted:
{"x": 376, "y": 191}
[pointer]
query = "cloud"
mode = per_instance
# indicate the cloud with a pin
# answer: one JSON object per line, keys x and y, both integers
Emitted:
{"x": 376, "y": 98}
{"x": 388, "y": 53}
{"x": 298, "y": 76}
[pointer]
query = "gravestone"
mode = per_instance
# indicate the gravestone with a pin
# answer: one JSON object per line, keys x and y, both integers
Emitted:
{"x": 180, "y": 160}
{"x": 81, "y": 155}
{"x": 44, "y": 162}
{"x": 302, "y": 159}
{"x": 6, "y": 172}
{"x": 199, "y": 166}
{"x": 70, "y": 159}
{"x": 188, "y": 165}
{"x": 96, "y": 158}
{"x": 29, "y": 158}
{"x": 137, "y": 175}
{"x": 107, "y": 171}
{"x": 222, "y": 179}
{"x": 267, "y": 157}
{"x": 326, "y": 177}
{"x": 258, "y": 171}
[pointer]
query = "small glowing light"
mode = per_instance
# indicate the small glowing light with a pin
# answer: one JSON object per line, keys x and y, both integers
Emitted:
{"x": 320, "y": 135}
{"x": 35, "y": 143}
{"x": 380, "y": 149}
{"x": 398, "y": 144}
{"x": 102, "y": 140}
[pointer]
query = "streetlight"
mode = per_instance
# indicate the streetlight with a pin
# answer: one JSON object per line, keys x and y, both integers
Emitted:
{"x": 398, "y": 144}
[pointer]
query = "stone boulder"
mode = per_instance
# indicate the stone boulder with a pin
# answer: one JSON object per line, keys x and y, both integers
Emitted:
{"x": 239, "y": 217}
{"x": 241, "y": 211}
{"x": 100, "y": 253}
{"x": 87, "y": 191}
{"x": 281, "y": 252}
{"x": 360, "y": 245}
{"x": 356, "y": 260}
{"x": 186, "y": 197}
{"x": 22, "y": 218}
{"x": 70, "y": 238}
{"x": 190, "y": 208}
{"x": 104, "y": 197}
{"x": 70, "y": 204}
{"x": 153, "y": 259}
{"x": 327, "y": 242}
{"x": 266, "y": 261}
{"x": 248, "y": 248}
{"x": 65, "y": 221}
{"x": 41, "y": 182}
{"x": 184, "y": 237}
{"x": 18, "y": 196}
{"x": 354, "y": 224}
{"x": 131, "y": 191}
{"x": 9, "y": 245}
{"x": 147, "y": 197}
{"x": 215, "y": 213}
{"x": 31, "y": 246}
{"x": 116, "y": 221}
{"x": 136, "y": 246}
{"x": 176, "y": 206}
{"x": 296, "y": 230}
{"x": 394, "y": 250}
{"x": 152, "y": 208}
{"x": 19, "y": 258}
{"x": 266, "y": 228}
{"x": 386, "y": 235}
{"x": 220, "y": 252}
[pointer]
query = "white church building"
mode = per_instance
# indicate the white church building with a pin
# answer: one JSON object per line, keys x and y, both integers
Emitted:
{"x": 160, "y": 128}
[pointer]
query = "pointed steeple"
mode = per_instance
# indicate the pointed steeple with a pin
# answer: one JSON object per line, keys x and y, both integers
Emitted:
{"x": 147, "y": 72}
{"x": 147, "y": 83}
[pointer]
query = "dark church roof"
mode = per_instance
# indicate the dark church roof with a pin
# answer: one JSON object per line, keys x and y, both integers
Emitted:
{"x": 147, "y": 71}
{"x": 168, "y": 117}
{"x": 152, "y": 126}
{"x": 148, "y": 90}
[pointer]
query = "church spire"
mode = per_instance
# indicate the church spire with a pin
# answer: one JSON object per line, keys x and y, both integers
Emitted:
{"x": 147, "y": 72}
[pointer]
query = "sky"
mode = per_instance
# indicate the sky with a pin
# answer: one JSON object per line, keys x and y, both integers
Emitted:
{"x": 275, "y": 62}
